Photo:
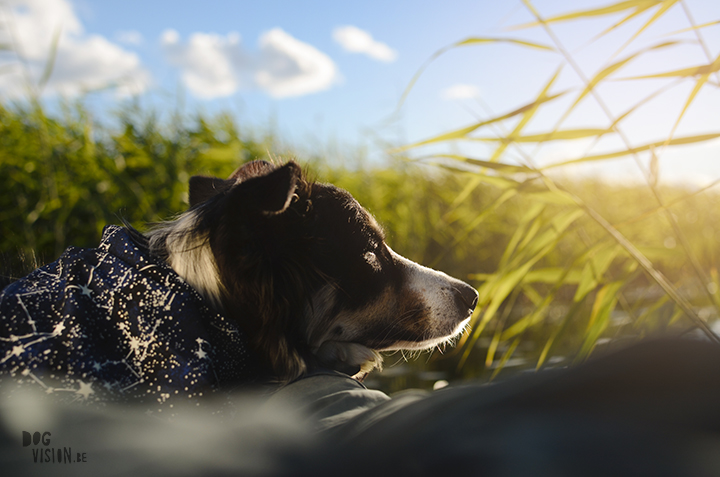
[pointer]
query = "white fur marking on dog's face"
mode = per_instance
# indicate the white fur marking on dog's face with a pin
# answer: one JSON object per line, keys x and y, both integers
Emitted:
{"x": 427, "y": 304}
{"x": 437, "y": 291}
{"x": 430, "y": 343}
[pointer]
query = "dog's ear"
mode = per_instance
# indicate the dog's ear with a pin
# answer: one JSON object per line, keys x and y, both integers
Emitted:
{"x": 270, "y": 194}
{"x": 203, "y": 188}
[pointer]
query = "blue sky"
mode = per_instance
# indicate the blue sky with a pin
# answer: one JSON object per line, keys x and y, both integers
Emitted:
{"x": 328, "y": 71}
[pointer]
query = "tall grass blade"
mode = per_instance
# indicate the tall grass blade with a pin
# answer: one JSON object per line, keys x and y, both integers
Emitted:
{"x": 699, "y": 83}
{"x": 603, "y": 305}
{"x": 609, "y": 70}
{"x": 544, "y": 275}
{"x": 505, "y": 358}
{"x": 693, "y": 28}
{"x": 482, "y": 216}
{"x": 626, "y": 152}
{"x": 594, "y": 12}
{"x": 50, "y": 62}
{"x": 490, "y": 356}
{"x": 540, "y": 308}
{"x": 683, "y": 72}
{"x": 640, "y": 103}
{"x": 526, "y": 116}
{"x": 638, "y": 10}
{"x": 523, "y": 230}
{"x": 698, "y": 35}
{"x": 496, "y": 181}
{"x": 668, "y": 205}
{"x": 554, "y": 196}
{"x": 551, "y": 234}
{"x": 513, "y": 270}
{"x": 666, "y": 5}
{"x": 497, "y": 166}
{"x": 558, "y": 135}
{"x": 459, "y": 44}
{"x": 559, "y": 330}
{"x": 594, "y": 269}
{"x": 475, "y": 41}
{"x": 462, "y": 133}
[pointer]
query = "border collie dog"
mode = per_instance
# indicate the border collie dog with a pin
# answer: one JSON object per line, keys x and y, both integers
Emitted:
{"x": 266, "y": 275}
{"x": 304, "y": 270}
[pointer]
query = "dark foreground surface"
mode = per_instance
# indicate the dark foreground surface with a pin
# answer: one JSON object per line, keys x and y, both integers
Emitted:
{"x": 653, "y": 409}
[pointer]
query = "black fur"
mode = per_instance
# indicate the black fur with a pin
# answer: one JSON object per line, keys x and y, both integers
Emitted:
{"x": 278, "y": 240}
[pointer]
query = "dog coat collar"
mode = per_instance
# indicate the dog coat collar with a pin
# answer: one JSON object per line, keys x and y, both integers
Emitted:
{"x": 113, "y": 324}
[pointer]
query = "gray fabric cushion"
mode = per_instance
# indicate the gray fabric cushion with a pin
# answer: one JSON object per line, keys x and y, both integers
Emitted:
{"x": 328, "y": 398}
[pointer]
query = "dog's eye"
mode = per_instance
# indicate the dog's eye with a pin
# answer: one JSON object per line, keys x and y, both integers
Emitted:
{"x": 372, "y": 260}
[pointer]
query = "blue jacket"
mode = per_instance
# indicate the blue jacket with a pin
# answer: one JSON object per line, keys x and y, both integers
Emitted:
{"x": 113, "y": 324}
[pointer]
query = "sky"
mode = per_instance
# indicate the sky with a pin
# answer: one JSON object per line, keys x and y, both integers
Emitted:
{"x": 329, "y": 72}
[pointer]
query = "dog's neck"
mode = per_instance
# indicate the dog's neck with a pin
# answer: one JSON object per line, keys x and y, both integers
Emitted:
{"x": 187, "y": 250}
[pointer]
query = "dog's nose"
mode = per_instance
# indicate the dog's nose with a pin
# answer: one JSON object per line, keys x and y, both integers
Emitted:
{"x": 467, "y": 294}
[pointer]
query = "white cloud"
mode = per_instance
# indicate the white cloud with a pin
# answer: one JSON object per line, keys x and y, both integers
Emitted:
{"x": 289, "y": 67}
{"x": 208, "y": 62}
{"x": 129, "y": 37}
{"x": 216, "y": 66}
{"x": 169, "y": 37}
{"x": 355, "y": 40}
{"x": 460, "y": 91}
{"x": 82, "y": 62}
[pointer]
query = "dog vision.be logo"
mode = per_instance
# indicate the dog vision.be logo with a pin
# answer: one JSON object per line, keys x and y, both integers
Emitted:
{"x": 42, "y": 452}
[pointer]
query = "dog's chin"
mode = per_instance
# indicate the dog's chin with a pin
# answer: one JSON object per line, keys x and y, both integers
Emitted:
{"x": 432, "y": 342}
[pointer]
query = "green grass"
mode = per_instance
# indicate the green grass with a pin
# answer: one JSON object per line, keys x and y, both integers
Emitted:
{"x": 540, "y": 262}
{"x": 590, "y": 262}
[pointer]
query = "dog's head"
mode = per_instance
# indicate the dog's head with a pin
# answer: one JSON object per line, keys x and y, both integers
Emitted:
{"x": 306, "y": 271}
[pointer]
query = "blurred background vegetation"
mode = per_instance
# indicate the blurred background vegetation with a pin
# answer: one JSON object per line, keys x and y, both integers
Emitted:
{"x": 564, "y": 264}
